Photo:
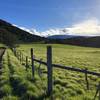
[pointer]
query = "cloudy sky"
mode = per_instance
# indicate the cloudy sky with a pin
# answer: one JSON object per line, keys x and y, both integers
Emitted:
{"x": 53, "y": 16}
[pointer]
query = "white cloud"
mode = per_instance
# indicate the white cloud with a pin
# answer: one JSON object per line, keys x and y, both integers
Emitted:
{"x": 52, "y": 32}
{"x": 87, "y": 27}
{"x": 90, "y": 27}
{"x": 34, "y": 31}
{"x": 23, "y": 28}
{"x": 31, "y": 31}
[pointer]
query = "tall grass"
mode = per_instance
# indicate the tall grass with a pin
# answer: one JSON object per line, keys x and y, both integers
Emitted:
{"x": 66, "y": 82}
{"x": 67, "y": 85}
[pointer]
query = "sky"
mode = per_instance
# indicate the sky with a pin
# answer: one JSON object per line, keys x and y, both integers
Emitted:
{"x": 44, "y": 15}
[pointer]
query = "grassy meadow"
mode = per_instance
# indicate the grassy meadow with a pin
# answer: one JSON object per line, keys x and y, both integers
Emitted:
{"x": 17, "y": 83}
{"x": 1, "y": 45}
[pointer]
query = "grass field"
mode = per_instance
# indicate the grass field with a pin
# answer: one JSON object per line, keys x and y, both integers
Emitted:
{"x": 1, "y": 45}
{"x": 17, "y": 83}
{"x": 68, "y": 55}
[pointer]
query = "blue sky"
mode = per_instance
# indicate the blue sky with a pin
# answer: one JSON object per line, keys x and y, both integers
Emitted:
{"x": 47, "y": 14}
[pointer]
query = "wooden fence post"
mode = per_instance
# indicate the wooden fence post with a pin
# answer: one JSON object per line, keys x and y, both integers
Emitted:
{"x": 20, "y": 56}
{"x": 15, "y": 51}
{"x": 49, "y": 69}
{"x": 17, "y": 55}
{"x": 99, "y": 90}
{"x": 86, "y": 78}
{"x": 32, "y": 62}
{"x": 26, "y": 62}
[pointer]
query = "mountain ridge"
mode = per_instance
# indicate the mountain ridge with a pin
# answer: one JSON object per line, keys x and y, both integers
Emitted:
{"x": 13, "y": 32}
{"x": 22, "y": 35}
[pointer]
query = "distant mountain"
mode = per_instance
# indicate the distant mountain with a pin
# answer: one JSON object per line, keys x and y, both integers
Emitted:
{"x": 88, "y": 41}
{"x": 65, "y": 36}
{"x": 22, "y": 35}
{"x": 60, "y": 36}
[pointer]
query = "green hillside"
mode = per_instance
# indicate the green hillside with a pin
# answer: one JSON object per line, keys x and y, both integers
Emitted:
{"x": 80, "y": 41}
{"x": 13, "y": 33}
{"x": 17, "y": 83}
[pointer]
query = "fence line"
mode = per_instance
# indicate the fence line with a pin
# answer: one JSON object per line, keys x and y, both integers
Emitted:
{"x": 69, "y": 68}
{"x": 50, "y": 68}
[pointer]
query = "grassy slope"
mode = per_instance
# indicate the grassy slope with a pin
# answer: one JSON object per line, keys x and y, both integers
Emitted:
{"x": 68, "y": 55}
{"x": 70, "y": 84}
{"x": 15, "y": 83}
{"x": 1, "y": 45}
{"x": 67, "y": 85}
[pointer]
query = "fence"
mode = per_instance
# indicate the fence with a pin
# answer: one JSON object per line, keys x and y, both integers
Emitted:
{"x": 50, "y": 66}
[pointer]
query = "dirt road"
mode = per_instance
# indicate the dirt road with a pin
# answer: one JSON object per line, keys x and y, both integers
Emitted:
{"x": 2, "y": 50}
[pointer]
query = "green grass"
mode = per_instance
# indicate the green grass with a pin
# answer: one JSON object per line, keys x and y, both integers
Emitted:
{"x": 1, "y": 45}
{"x": 68, "y": 55}
{"x": 80, "y": 57}
{"x": 67, "y": 85}
{"x": 19, "y": 83}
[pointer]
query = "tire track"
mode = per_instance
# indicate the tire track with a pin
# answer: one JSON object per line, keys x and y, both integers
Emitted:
{"x": 2, "y": 51}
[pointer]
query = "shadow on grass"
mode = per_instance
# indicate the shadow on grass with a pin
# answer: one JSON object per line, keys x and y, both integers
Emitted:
{"x": 21, "y": 87}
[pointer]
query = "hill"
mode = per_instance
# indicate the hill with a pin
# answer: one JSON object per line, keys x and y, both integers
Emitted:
{"x": 76, "y": 40}
{"x": 61, "y": 36}
{"x": 20, "y": 34}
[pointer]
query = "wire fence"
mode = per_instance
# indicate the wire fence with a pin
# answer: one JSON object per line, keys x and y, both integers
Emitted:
{"x": 50, "y": 67}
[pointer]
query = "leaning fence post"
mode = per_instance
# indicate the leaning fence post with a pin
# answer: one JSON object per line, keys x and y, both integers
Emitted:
{"x": 17, "y": 55}
{"x": 86, "y": 78}
{"x": 99, "y": 90}
{"x": 49, "y": 69}
{"x": 20, "y": 56}
{"x": 15, "y": 52}
{"x": 32, "y": 62}
{"x": 26, "y": 62}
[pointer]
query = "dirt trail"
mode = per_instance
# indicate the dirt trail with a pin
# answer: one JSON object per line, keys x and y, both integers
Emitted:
{"x": 2, "y": 50}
